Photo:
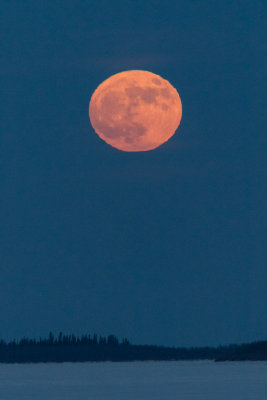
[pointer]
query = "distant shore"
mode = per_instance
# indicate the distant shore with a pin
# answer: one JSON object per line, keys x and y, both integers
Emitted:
{"x": 71, "y": 348}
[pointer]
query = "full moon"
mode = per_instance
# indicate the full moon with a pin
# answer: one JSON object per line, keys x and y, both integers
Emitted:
{"x": 135, "y": 110}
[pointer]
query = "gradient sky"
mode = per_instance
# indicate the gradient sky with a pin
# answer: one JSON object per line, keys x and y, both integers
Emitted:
{"x": 162, "y": 247}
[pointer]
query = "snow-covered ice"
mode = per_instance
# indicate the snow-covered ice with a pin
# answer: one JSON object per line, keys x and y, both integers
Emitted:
{"x": 199, "y": 380}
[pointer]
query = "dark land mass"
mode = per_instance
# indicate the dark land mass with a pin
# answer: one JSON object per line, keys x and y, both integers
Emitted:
{"x": 70, "y": 348}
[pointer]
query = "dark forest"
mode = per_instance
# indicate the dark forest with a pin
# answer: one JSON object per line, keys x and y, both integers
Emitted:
{"x": 72, "y": 348}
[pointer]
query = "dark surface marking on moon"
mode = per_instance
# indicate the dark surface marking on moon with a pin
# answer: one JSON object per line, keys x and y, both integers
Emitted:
{"x": 130, "y": 131}
{"x": 130, "y": 110}
{"x": 112, "y": 103}
{"x": 147, "y": 94}
{"x": 156, "y": 81}
{"x": 164, "y": 107}
{"x": 165, "y": 93}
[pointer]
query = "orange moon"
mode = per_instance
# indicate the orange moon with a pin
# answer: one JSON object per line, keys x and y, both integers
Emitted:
{"x": 135, "y": 110}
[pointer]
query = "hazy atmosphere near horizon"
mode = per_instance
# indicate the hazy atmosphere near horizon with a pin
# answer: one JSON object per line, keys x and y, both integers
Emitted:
{"x": 164, "y": 246}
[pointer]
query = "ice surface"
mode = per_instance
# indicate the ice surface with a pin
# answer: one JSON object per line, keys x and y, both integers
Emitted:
{"x": 199, "y": 380}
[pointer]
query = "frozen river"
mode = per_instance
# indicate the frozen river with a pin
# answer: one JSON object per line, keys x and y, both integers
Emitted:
{"x": 199, "y": 380}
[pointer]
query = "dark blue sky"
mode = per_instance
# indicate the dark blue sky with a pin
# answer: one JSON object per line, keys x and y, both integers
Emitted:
{"x": 164, "y": 246}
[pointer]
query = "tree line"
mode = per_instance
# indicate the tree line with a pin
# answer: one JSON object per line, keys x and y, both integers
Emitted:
{"x": 73, "y": 348}
{"x": 63, "y": 339}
